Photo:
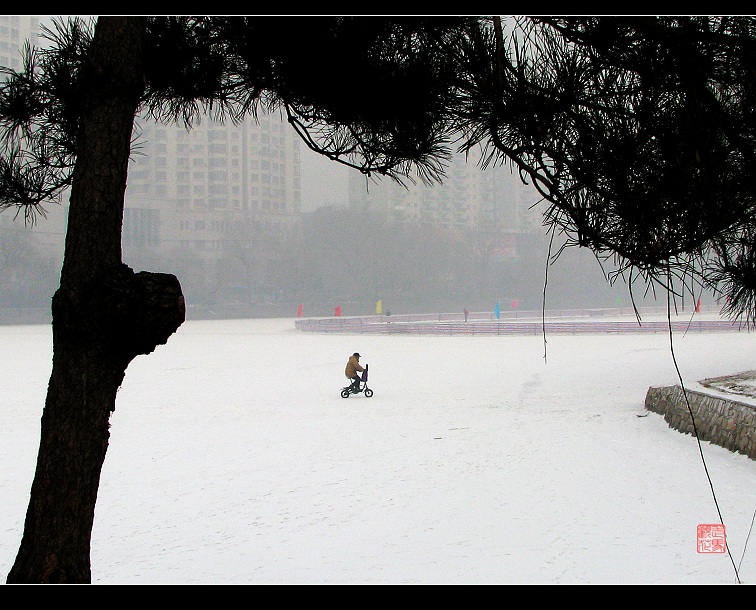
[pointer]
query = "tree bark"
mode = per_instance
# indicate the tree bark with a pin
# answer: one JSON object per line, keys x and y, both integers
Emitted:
{"x": 104, "y": 315}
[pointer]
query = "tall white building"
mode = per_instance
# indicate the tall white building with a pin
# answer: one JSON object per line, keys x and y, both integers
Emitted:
{"x": 216, "y": 205}
{"x": 493, "y": 204}
{"x": 30, "y": 253}
{"x": 221, "y": 201}
{"x": 15, "y": 30}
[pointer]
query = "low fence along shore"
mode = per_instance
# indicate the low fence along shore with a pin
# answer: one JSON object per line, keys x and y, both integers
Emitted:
{"x": 526, "y": 322}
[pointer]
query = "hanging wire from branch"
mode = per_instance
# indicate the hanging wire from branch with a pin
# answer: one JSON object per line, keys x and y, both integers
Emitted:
{"x": 747, "y": 539}
{"x": 692, "y": 417}
{"x": 552, "y": 230}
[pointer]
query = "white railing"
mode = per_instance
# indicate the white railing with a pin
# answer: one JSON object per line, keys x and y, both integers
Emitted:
{"x": 531, "y": 322}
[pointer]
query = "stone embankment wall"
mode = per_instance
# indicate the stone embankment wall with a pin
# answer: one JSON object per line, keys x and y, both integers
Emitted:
{"x": 724, "y": 422}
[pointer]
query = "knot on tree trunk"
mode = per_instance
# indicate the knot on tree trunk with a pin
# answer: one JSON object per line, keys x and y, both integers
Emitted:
{"x": 157, "y": 309}
{"x": 132, "y": 313}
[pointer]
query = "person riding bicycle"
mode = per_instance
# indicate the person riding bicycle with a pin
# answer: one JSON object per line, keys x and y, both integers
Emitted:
{"x": 353, "y": 366}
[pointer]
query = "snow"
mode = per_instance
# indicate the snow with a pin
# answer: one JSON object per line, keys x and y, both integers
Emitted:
{"x": 479, "y": 459}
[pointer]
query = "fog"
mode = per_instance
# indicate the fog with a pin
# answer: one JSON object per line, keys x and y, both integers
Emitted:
{"x": 340, "y": 258}
{"x": 324, "y": 182}
{"x": 411, "y": 271}
{"x": 337, "y": 258}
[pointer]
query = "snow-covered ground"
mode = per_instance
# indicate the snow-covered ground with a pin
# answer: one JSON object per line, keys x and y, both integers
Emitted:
{"x": 479, "y": 459}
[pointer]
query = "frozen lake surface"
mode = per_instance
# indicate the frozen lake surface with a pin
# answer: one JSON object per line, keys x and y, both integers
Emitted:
{"x": 479, "y": 459}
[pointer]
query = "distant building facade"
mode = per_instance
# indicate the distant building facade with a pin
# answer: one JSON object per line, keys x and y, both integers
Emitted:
{"x": 493, "y": 204}
{"x": 220, "y": 202}
{"x": 217, "y": 205}
{"x": 15, "y": 31}
{"x": 31, "y": 253}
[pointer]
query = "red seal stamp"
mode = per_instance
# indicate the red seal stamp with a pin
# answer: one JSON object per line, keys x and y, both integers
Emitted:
{"x": 711, "y": 538}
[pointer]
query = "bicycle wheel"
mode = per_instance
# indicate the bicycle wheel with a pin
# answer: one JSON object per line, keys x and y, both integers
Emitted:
{"x": 345, "y": 393}
{"x": 368, "y": 393}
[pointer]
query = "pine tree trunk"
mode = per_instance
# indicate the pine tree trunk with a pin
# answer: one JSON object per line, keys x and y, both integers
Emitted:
{"x": 104, "y": 315}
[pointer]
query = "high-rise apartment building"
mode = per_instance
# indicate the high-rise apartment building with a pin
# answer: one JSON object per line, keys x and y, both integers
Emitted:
{"x": 492, "y": 203}
{"x": 217, "y": 204}
{"x": 220, "y": 201}
{"x": 30, "y": 253}
{"x": 15, "y": 31}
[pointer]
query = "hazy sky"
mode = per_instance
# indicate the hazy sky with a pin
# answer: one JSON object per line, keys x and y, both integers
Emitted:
{"x": 324, "y": 182}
